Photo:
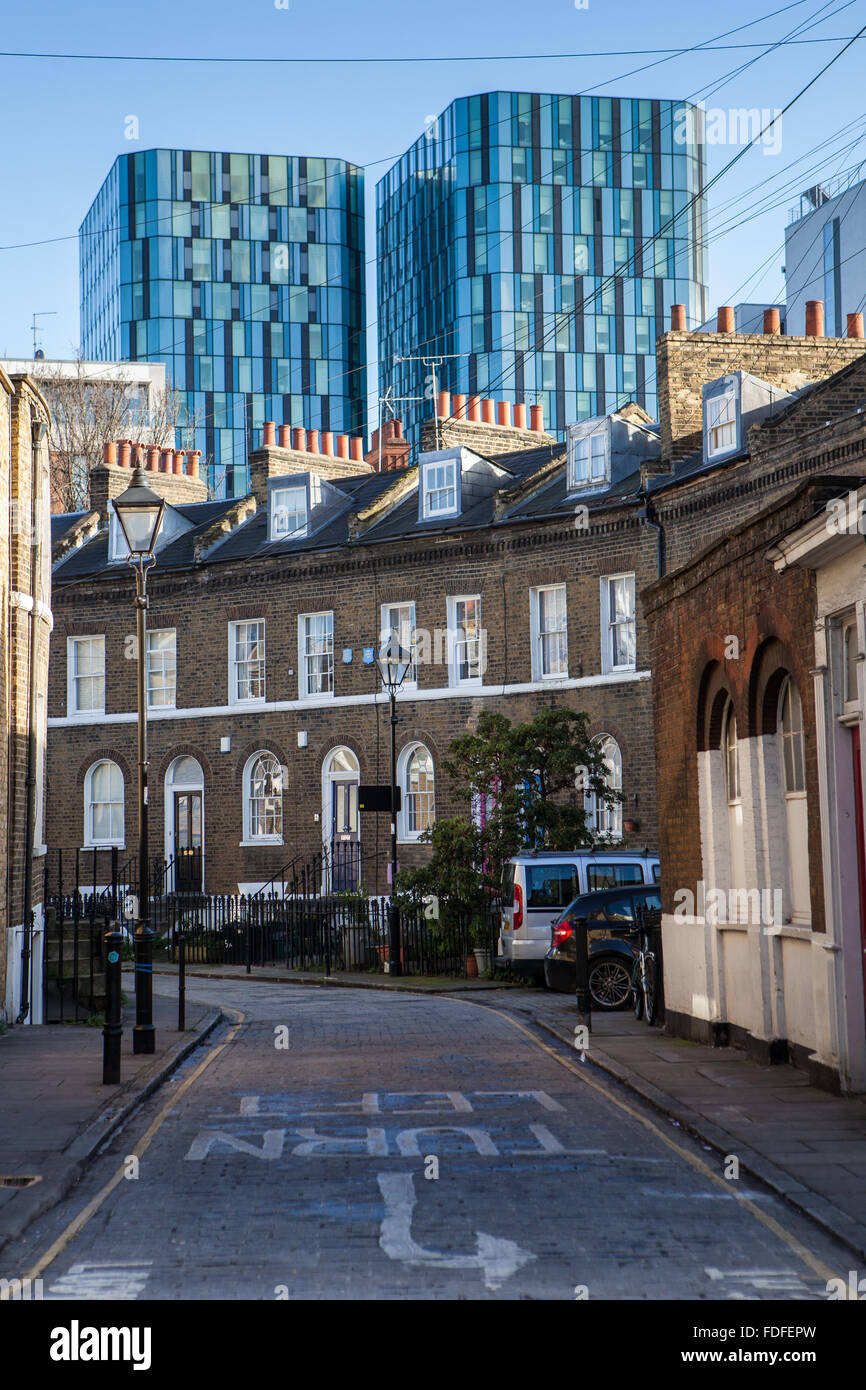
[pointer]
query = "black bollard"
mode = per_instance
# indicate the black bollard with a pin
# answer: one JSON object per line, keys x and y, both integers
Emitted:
{"x": 112, "y": 1032}
{"x": 181, "y": 984}
{"x": 581, "y": 974}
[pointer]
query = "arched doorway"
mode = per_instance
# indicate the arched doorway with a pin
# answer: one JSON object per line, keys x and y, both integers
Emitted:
{"x": 184, "y": 825}
{"x": 341, "y": 823}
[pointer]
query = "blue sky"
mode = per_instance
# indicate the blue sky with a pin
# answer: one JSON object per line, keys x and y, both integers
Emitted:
{"x": 63, "y": 120}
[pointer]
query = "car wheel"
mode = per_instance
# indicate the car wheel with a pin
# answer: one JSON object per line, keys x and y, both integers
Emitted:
{"x": 609, "y": 983}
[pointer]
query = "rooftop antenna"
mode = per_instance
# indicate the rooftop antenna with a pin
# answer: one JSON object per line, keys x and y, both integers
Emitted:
{"x": 389, "y": 400}
{"x": 433, "y": 362}
{"x": 42, "y": 314}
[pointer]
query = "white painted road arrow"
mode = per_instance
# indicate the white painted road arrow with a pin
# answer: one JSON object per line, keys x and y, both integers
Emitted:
{"x": 499, "y": 1259}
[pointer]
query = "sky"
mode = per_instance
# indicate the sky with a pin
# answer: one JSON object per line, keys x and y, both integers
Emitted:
{"x": 63, "y": 119}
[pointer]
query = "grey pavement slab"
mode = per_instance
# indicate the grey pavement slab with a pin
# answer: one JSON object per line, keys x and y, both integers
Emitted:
{"x": 54, "y": 1110}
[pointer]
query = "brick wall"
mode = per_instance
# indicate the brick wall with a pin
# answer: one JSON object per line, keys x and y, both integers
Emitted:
{"x": 730, "y": 590}
{"x": 686, "y": 361}
{"x": 822, "y": 433}
{"x": 21, "y": 570}
{"x": 354, "y": 583}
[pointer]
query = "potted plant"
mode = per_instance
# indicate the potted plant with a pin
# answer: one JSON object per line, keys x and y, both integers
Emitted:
{"x": 481, "y": 953}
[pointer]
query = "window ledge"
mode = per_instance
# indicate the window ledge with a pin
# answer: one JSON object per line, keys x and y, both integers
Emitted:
{"x": 105, "y": 844}
{"x": 244, "y": 704}
{"x": 261, "y": 840}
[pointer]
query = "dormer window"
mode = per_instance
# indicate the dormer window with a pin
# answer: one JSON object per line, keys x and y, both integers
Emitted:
{"x": 291, "y": 503}
{"x": 588, "y": 460}
{"x": 721, "y": 423}
{"x": 288, "y": 511}
{"x": 439, "y": 489}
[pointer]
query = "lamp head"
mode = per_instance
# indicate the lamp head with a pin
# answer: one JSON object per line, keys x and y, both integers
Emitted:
{"x": 140, "y": 511}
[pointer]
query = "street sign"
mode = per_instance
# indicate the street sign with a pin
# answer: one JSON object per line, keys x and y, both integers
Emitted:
{"x": 375, "y": 798}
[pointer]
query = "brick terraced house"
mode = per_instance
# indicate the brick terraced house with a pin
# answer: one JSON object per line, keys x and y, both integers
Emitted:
{"x": 515, "y": 559}
{"x": 757, "y": 637}
{"x": 25, "y": 625}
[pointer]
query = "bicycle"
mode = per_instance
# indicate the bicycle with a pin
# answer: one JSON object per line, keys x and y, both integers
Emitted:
{"x": 644, "y": 980}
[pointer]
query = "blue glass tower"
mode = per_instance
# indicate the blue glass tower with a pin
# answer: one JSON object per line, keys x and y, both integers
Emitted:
{"x": 515, "y": 242}
{"x": 244, "y": 274}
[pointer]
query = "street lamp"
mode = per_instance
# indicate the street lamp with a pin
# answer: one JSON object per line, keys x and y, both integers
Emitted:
{"x": 393, "y": 662}
{"x": 140, "y": 511}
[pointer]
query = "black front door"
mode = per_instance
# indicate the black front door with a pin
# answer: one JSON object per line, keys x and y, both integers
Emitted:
{"x": 187, "y": 842}
{"x": 345, "y": 838}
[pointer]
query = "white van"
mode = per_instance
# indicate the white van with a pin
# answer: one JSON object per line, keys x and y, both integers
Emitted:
{"x": 537, "y": 888}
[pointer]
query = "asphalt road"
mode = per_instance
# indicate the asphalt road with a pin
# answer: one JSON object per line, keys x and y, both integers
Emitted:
{"x": 352, "y": 1144}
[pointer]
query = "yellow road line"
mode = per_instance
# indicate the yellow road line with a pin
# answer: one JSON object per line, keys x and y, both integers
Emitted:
{"x": 823, "y": 1271}
{"x": 80, "y": 1221}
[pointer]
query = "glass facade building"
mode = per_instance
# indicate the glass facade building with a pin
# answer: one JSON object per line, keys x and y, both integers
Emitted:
{"x": 535, "y": 243}
{"x": 244, "y": 275}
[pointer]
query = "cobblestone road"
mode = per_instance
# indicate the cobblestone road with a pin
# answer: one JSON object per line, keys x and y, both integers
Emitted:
{"x": 353, "y": 1144}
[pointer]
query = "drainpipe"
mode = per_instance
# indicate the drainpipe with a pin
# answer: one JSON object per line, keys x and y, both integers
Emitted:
{"x": 38, "y": 431}
{"x": 646, "y": 513}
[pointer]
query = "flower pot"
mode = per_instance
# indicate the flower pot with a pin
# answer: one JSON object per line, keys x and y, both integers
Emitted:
{"x": 471, "y": 968}
{"x": 482, "y": 958}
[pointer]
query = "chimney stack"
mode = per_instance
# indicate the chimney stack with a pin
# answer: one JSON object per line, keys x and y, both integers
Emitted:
{"x": 855, "y": 325}
{"x": 313, "y": 441}
{"x": 814, "y": 318}
{"x": 725, "y": 319}
{"x": 536, "y": 418}
{"x": 458, "y": 407}
{"x": 503, "y": 412}
{"x": 443, "y": 405}
{"x": 109, "y": 453}
{"x": 678, "y": 318}
{"x": 284, "y": 435}
{"x": 520, "y": 416}
{"x": 772, "y": 322}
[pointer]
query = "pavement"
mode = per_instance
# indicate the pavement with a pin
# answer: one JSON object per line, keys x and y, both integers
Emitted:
{"x": 806, "y": 1146}
{"x": 55, "y": 1113}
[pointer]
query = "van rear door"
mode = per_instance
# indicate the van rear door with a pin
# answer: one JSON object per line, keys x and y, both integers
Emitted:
{"x": 550, "y": 887}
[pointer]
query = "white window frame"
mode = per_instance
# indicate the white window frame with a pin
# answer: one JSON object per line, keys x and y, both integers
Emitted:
{"x": 715, "y": 407}
{"x": 235, "y": 697}
{"x": 385, "y": 629}
{"x": 456, "y": 640}
{"x": 89, "y": 841}
{"x": 428, "y": 511}
{"x": 603, "y": 819}
{"x": 537, "y": 635}
{"x": 161, "y": 652}
{"x": 579, "y": 481}
{"x": 72, "y": 678}
{"x": 304, "y": 691}
{"x": 250, "y": 837}
{"x": 276, "y": 493}
{"x": 608, "y": 665}
{"x": 404, "y": 832}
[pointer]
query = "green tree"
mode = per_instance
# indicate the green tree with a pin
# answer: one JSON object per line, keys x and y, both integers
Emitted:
{"x": 536, "y": 775}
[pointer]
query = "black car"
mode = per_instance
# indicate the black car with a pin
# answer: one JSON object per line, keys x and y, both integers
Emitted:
{"x": 610, "y": 916}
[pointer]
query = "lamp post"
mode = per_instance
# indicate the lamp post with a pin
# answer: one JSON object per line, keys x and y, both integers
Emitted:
{"x": 393, "y": 662}
{"x": 140, "y": 511}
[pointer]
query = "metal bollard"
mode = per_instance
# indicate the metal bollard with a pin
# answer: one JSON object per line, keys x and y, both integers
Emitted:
{"x": 181, "y": 985}
{"x": 581, "y": 974}
{"x": 112, "y": 1032}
